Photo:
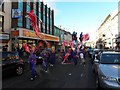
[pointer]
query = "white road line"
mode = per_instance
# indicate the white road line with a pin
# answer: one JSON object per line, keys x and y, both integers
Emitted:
{"x": 82, "y": 75}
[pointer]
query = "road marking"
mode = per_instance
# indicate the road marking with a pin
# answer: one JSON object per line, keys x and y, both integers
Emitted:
{"x": 69, "y": 73}
{"x": 82, "y": 75}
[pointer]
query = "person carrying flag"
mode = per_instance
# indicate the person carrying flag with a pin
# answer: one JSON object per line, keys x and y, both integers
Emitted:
{"x": 32, "y": 63}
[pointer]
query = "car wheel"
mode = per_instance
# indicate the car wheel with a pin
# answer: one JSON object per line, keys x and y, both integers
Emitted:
{"x": 19, "y": 70}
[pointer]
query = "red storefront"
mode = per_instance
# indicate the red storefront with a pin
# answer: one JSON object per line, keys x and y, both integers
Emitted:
{"x": 23, "y": 35}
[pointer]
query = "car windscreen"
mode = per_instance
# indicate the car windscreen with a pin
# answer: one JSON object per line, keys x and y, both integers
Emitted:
{"x": 110, "y": 59}
{"x": 9, "y": 55}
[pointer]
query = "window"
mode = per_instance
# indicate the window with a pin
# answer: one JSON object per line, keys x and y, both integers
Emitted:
{"x": 39, "y": 20}
{"x": 47, "y": 20}
{"x": 47, "y": 30}
{"x": 2, "y": 7}
{"x": 50, "y": 14}
{"x": 34, "y": 6}
{"x": 39, "y": 6}
{"x": 44, "y": 18}
{"x": 1, "y": 23}
{"x": 47, "y": 12}
{"x": 20, "y": 6}
{"x": 39, "y": 16}
{"x": 43, "y": 27}
{"x": 27, "y": 20}
{"x": 50, "y": 22}
{"x": 51, "y": 30}
{"x": 110, "y": 59}
{"x": 44, "y": 9}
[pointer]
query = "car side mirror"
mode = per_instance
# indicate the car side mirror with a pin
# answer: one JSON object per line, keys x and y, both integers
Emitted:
{"x": 96, "y": 61}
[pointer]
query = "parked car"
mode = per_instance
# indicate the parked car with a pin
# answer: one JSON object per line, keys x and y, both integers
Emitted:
{"x": 107, "y": 70}
{"x": 11, "y": 63}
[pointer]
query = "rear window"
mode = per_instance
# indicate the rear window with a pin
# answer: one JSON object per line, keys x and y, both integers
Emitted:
{"x": 10, "y": 55}
{"x": 110, "y": 59}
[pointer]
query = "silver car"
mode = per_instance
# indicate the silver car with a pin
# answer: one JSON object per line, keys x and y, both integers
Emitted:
{"x": 107, "y": 70}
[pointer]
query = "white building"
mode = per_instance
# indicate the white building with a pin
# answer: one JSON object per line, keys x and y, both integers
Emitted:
{"x": 5, "y": 24}
{"x": 108, "y": 31}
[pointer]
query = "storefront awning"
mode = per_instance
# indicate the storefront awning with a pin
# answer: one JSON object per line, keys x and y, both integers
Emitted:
{"x": 23, "y": 33}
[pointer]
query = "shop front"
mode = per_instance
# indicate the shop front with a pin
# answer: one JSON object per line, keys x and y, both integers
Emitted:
{"x": 118, "y": 43}
{"x": 27, "y": 36}
{"x": 4, "y": 41}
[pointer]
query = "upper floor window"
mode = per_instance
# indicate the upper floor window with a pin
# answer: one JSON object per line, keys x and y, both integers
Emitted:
{"x": 1, "y": 23}
{"x": 34, "y": 6}
{"x": 20, "y": 7}
{"x": 1, "y": 5}
{"x": 27, "y": 20}
{"x": 44, "y": 9}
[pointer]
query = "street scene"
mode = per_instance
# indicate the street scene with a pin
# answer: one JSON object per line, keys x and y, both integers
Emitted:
{"x": 59, "y": 76}
{"x": 59, "y": 44}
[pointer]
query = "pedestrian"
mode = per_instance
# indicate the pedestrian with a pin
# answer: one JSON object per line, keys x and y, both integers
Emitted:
{"x": 45, "y": 61}
{"x": 52, "y": 57}
{"x": 32, "y": 63}
{"x": 82, "y": 58}
{"x": 62, "y": 54}
{"x": 5, "y": 48}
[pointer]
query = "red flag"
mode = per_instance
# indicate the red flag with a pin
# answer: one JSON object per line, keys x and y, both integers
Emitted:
{"x": 85, "y": 37}
{"x": 27, "y": 49}
{"x": 65, "y": 57}
{"x": 33, "y": 20}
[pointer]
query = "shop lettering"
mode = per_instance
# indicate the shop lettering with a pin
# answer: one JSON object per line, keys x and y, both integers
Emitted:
{"x": 4, "y": 36}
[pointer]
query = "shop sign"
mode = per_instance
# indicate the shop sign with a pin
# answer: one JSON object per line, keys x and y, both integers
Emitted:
{"x": 4, "y": 37}
{"x": 15, "y": 33}
{"x": 16, "y": 13}
{"x": 29, "y": 34}
{"x": 43, "y": 36}
{"x": 51, "y": 38}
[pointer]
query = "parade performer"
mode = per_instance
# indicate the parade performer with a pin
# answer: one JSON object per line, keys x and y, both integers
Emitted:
{"x": 32, "y": 63}
{"x": 52, "y": 57}
{"x": 82, "y": 58}
{"x": 75, "y": 57}
{"x": 45, "y": 61}
{"x": 65, "y": 57}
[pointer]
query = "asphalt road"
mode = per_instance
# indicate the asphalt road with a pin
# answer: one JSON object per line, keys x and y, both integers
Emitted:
{"x": 59, "y": 76}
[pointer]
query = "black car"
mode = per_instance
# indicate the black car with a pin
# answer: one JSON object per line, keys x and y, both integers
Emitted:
{"x": 11, "y": 63}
